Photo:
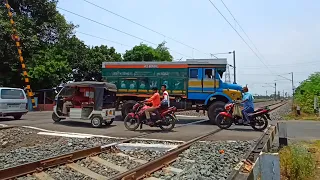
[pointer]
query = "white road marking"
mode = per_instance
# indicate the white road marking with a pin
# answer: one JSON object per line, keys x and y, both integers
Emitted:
{"x": 3, "y": 125}
{"x": 82, "y": 135}
{"x": 129, "y": 146}
{"x": 63, "y": 135}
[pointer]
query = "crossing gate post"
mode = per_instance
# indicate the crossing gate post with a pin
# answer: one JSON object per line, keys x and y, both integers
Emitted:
{"x": 16, "y": 38}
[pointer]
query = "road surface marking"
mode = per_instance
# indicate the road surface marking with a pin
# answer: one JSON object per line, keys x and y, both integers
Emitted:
{"x": 81, "y": 135}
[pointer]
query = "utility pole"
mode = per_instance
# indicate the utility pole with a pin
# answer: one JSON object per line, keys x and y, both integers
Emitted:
{"x": 275, "y": 91}
{"x": 292, "y": 83}
{"x": 266, "y": 93}
{"x": 292, "y": 91}
{"x": 234, "y": 67}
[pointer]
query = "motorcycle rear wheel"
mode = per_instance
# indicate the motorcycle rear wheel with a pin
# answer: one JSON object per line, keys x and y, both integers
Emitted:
{"x": 128, "y": 121}
{"x": 262, "y": 121}
{"x": 172, "y": 122}
{"x": 223, "y": 122}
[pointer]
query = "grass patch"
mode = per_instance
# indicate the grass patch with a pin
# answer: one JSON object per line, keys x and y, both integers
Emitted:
{"x": 300, "y": 161}
{"x": 303, "y": 116}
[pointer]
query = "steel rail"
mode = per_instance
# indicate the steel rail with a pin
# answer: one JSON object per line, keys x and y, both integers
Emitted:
{"x": 145, "y": 170}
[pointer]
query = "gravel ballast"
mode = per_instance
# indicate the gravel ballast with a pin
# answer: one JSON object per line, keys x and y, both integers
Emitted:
{"x": 205, "y": 161}
{"x": 119, "y": 160}
{"x": 144, "y": 154}
{"x": 17, "y": 137}
{"x": 64, "y": 145}
{"x": 96, "y": 167}
{"x": 65, "y": 173}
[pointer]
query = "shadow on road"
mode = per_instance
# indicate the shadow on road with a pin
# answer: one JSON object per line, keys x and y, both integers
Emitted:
{"x": 243, "y": 129}
{"x": 10, "y": 119}
{"x": 85, "y": 124}
{"x": 180, "y": 120}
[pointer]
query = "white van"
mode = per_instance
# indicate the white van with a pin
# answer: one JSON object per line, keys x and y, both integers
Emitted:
{"x": 13, "y": 102}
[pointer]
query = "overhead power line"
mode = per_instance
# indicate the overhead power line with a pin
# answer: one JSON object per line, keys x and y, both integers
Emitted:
{"x": 145, "y": 27}
{"x": 103, "y": 39}
{"x": 115, "y": 29}
{"x": 240, "y": 36}
{"x": 284, "y": 65}
{"x": 242, "y": 29}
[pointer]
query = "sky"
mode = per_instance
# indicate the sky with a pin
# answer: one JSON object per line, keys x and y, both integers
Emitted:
{"x": 285, "y": 34}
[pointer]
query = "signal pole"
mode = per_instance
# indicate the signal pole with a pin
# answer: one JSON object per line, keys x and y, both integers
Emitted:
{"x": 275, "y": 91}
{"x": 234, "y": 67}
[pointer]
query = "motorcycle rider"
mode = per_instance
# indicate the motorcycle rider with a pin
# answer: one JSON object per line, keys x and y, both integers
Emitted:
{"x": 165, "y": 94}
{"x": 155, "y": 100}
{"x": 248, "y": 106}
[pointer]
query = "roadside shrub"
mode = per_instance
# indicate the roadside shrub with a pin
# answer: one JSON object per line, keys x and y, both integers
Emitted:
{"x": 305, "y": 92}
{"x": 296, "y": 163}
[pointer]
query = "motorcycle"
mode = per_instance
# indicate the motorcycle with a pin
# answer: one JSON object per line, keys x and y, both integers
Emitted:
{"x": 258, "y": 118}
{"x": 137, "y": 117}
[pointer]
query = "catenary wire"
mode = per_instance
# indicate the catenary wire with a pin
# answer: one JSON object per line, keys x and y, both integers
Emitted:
{"x": 240, "y": 36}
{"x": 115, "y": 29}
{"x": 145, "y": 27}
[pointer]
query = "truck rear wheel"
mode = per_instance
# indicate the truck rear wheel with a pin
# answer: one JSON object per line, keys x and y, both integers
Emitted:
{"x": 214, "y": 109}
{"x": 126, "y": 107}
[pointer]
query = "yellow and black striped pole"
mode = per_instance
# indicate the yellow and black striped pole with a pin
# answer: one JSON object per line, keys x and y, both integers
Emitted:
{"x": 16, "y": 38}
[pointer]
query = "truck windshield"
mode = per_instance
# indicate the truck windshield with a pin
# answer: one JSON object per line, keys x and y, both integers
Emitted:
{"x": 12, "y": 94}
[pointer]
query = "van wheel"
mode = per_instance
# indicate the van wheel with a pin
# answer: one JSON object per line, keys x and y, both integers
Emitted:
{"x": 96, "y": 121}
{"x": 55, "y": 118}
{"x": 126, "y": 107}
{"x": 214, "y": 109}
{"x": 17, "y": 117}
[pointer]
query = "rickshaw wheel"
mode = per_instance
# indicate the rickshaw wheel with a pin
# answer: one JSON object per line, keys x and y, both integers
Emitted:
{"x": 96, "y": 121}
{"x": 55, "y": 118}
{"x": 110, "y": 122}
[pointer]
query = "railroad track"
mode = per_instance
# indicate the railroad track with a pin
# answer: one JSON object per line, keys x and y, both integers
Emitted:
{"x": 95, "y": 163}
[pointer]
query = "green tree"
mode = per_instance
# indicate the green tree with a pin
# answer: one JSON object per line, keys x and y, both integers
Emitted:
{"x": 144, "y": 52}
{"x": 304, "y": 94}
{"x": 163, "y": 53}
{"x": 39, "y": 26}
{"x": 91, "y": 65}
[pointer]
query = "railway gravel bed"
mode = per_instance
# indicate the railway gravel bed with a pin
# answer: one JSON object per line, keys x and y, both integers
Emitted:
{"x": 119, "y": 160}
{"x": 65, "y": 173}
{"x": 18, "y": 137}
{"x": 144, "y": 154}
{"x": 207, "y": 160}
{"x": 62, "y": 146}
{"x": 96, "y": 167}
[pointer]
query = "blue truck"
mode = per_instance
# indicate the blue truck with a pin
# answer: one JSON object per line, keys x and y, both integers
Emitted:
{"x": 194, "y": 84}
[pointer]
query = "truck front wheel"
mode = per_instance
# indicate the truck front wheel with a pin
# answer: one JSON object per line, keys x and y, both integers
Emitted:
{"x": 214, "y": 109}
{"x": 126, "y": 107}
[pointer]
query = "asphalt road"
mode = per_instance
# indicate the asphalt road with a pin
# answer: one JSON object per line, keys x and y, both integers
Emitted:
{"x": 184, "y": 131}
